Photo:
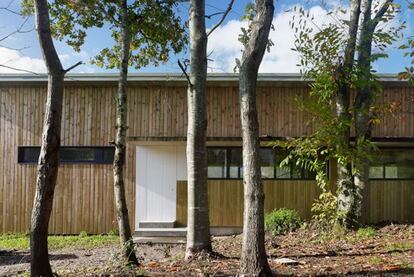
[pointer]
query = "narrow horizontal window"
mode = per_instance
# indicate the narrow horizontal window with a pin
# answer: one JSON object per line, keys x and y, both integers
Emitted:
{"x": 396, "y": 163}
{"x": 226, "y": 163}
{"x": 69, "y": 154}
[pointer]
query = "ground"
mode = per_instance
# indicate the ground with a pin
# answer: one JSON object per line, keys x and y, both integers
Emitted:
{"x": 369, "y": 251}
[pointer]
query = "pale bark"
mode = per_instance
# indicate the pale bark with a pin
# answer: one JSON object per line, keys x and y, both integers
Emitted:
{"x": 198, "y": 226}
{"x": 345, "y": 185}
{"x": 363, "y": 102}
{"x": 125, "y": 236}
{"x": 253, "y": 258}
{"x": 49, "y": 153}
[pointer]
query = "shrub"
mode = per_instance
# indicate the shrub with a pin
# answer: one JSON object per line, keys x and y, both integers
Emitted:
{"x": 281, "y": 221}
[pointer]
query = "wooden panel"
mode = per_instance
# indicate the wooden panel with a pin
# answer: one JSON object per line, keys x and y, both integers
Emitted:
{"x": 391, "y": 200}
{"x": 226, "y": 199}
{"x": 84, "y": 192}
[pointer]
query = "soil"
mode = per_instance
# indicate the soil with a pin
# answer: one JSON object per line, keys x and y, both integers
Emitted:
{"x": 388, "y": 252}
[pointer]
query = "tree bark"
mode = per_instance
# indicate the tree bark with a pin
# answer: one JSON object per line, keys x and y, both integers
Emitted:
{"x": 363, "y": 102}
{"x": 125, "y": 236}
{"x": 345, "y": 185}
{"x": 253, "y": 259}
{"x": 198, "y": 225}
{"x": 47, "y": 170}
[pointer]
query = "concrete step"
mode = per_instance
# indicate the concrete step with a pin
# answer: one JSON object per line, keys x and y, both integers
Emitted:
{"x": 161, "y": 232}
{"x": 156, "y": 224}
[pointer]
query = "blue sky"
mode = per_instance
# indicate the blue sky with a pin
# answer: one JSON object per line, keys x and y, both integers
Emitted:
{"x": 223, "y": 43}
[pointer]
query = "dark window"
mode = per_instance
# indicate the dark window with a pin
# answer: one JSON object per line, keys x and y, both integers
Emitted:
{"x": 216, "y": 163}
{"x": 69, "y": 154}
{"x": 393, "y": 164}
{"x": 226, "y": 163}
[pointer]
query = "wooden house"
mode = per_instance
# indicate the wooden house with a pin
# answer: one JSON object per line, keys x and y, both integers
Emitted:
{"x": 156, "y": 162}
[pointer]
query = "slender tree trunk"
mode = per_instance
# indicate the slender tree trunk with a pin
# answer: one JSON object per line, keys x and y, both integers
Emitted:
{"x": 198, "y": 225}
{"x": 253, "y": 259}
{"x": 345, "y": 185}
{"x": 363, "y": 102}
{"x": 125, "y": 236}
{"x": 47, "y": 170}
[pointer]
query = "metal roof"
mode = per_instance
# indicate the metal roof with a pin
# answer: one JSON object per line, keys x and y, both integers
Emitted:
{"x": 162, "y": 77}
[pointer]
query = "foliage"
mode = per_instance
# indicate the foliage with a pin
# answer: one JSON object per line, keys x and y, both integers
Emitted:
{"x": 282, "y": 221}
{"x": 21, "y": 241}
{"x": 408, "y": 72}
{"x": 249, "y": 14}
{"x": 321, "y": 51}
{"x": 113, "y": 232}
{"x": 366, "y": 232}
{"x": 324, "y": 209}
{"x": 155, "y": 29}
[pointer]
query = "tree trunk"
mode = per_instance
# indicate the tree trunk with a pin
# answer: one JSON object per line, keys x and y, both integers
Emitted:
{"x": 49, "y": 152}
{"x": 253, "y": 259}
{"x": 125, "y": 237}
{"x": 345, "y": 185}
{"x": 198, "y": 226}
{"x": 363, "y": 102}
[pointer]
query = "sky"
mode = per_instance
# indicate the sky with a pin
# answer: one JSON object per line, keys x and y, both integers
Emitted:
{"x": 223, "y": 45}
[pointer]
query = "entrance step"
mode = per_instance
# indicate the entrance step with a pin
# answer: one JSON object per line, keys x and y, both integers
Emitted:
{"x": 156, "y": 224}
{"x": 161, "y": 232}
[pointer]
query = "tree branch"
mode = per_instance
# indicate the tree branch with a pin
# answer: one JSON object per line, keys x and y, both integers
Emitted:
{"x": 213, "y": 14}
{"x": 226, "y": 12}
{"x": 15, "y": 49}
{"x": 7, "y": 8}
{"x": 384, "y": 8}
{"x": 185, "y": 73}
{"x": 72, "y": 67}
{"x": 19, "y": 69}
{"x": 18, "y": 30}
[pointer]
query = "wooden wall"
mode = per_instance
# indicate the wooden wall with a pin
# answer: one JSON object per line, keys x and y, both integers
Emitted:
{"x": 390, "y": 200}
{"x": 226, "y": 199}
{"x": 84, "y": 192}
{"x": 161, "y": 112}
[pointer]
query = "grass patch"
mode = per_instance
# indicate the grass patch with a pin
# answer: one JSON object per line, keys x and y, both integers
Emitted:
{"x": 21, "y": 241}
{"x": 375, "y": 260}
{"x": 399, "y": 247}
{"x": 366, "y": 233}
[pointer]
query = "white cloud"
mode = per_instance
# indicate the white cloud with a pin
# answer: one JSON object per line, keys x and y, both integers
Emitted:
{"x": 281, "y": 59}
{"x": 15, "y": 59}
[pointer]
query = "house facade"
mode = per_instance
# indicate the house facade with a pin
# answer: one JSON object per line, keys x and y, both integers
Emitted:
{"x": 155, "y": 170}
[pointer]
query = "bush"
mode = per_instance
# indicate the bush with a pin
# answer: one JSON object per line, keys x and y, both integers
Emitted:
{"x": 282, "y": 221}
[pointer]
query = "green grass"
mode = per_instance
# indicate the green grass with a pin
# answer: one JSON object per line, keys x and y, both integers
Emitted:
{"x": 399, "y": 247}
{"x": 375, "y": 260}
{"x": 21, "y": 241}
{"x": 366, "y": 232}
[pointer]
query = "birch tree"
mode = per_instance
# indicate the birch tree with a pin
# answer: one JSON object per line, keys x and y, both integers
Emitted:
{"x": 364, "y": 100}
{"x": 143, "y": 32}
{"x": 48, "y": 163}
{"x": 253, "y": 258}
{"x": 198, "y": 226}
{"x": 345, "y": 185}
{"x": 328, "y": 57}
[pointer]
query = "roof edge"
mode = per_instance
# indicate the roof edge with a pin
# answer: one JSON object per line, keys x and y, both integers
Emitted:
{"x": 169, "y": 77}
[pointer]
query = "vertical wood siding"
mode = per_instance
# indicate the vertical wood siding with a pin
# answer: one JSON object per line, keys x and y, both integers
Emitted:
{"x": 226, "y": 199}
{"x": 391, "y": 200}
{"x": 84, "y": 193}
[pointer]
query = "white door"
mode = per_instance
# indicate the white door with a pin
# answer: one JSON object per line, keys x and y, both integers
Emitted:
{"x": 157, "y": 170}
